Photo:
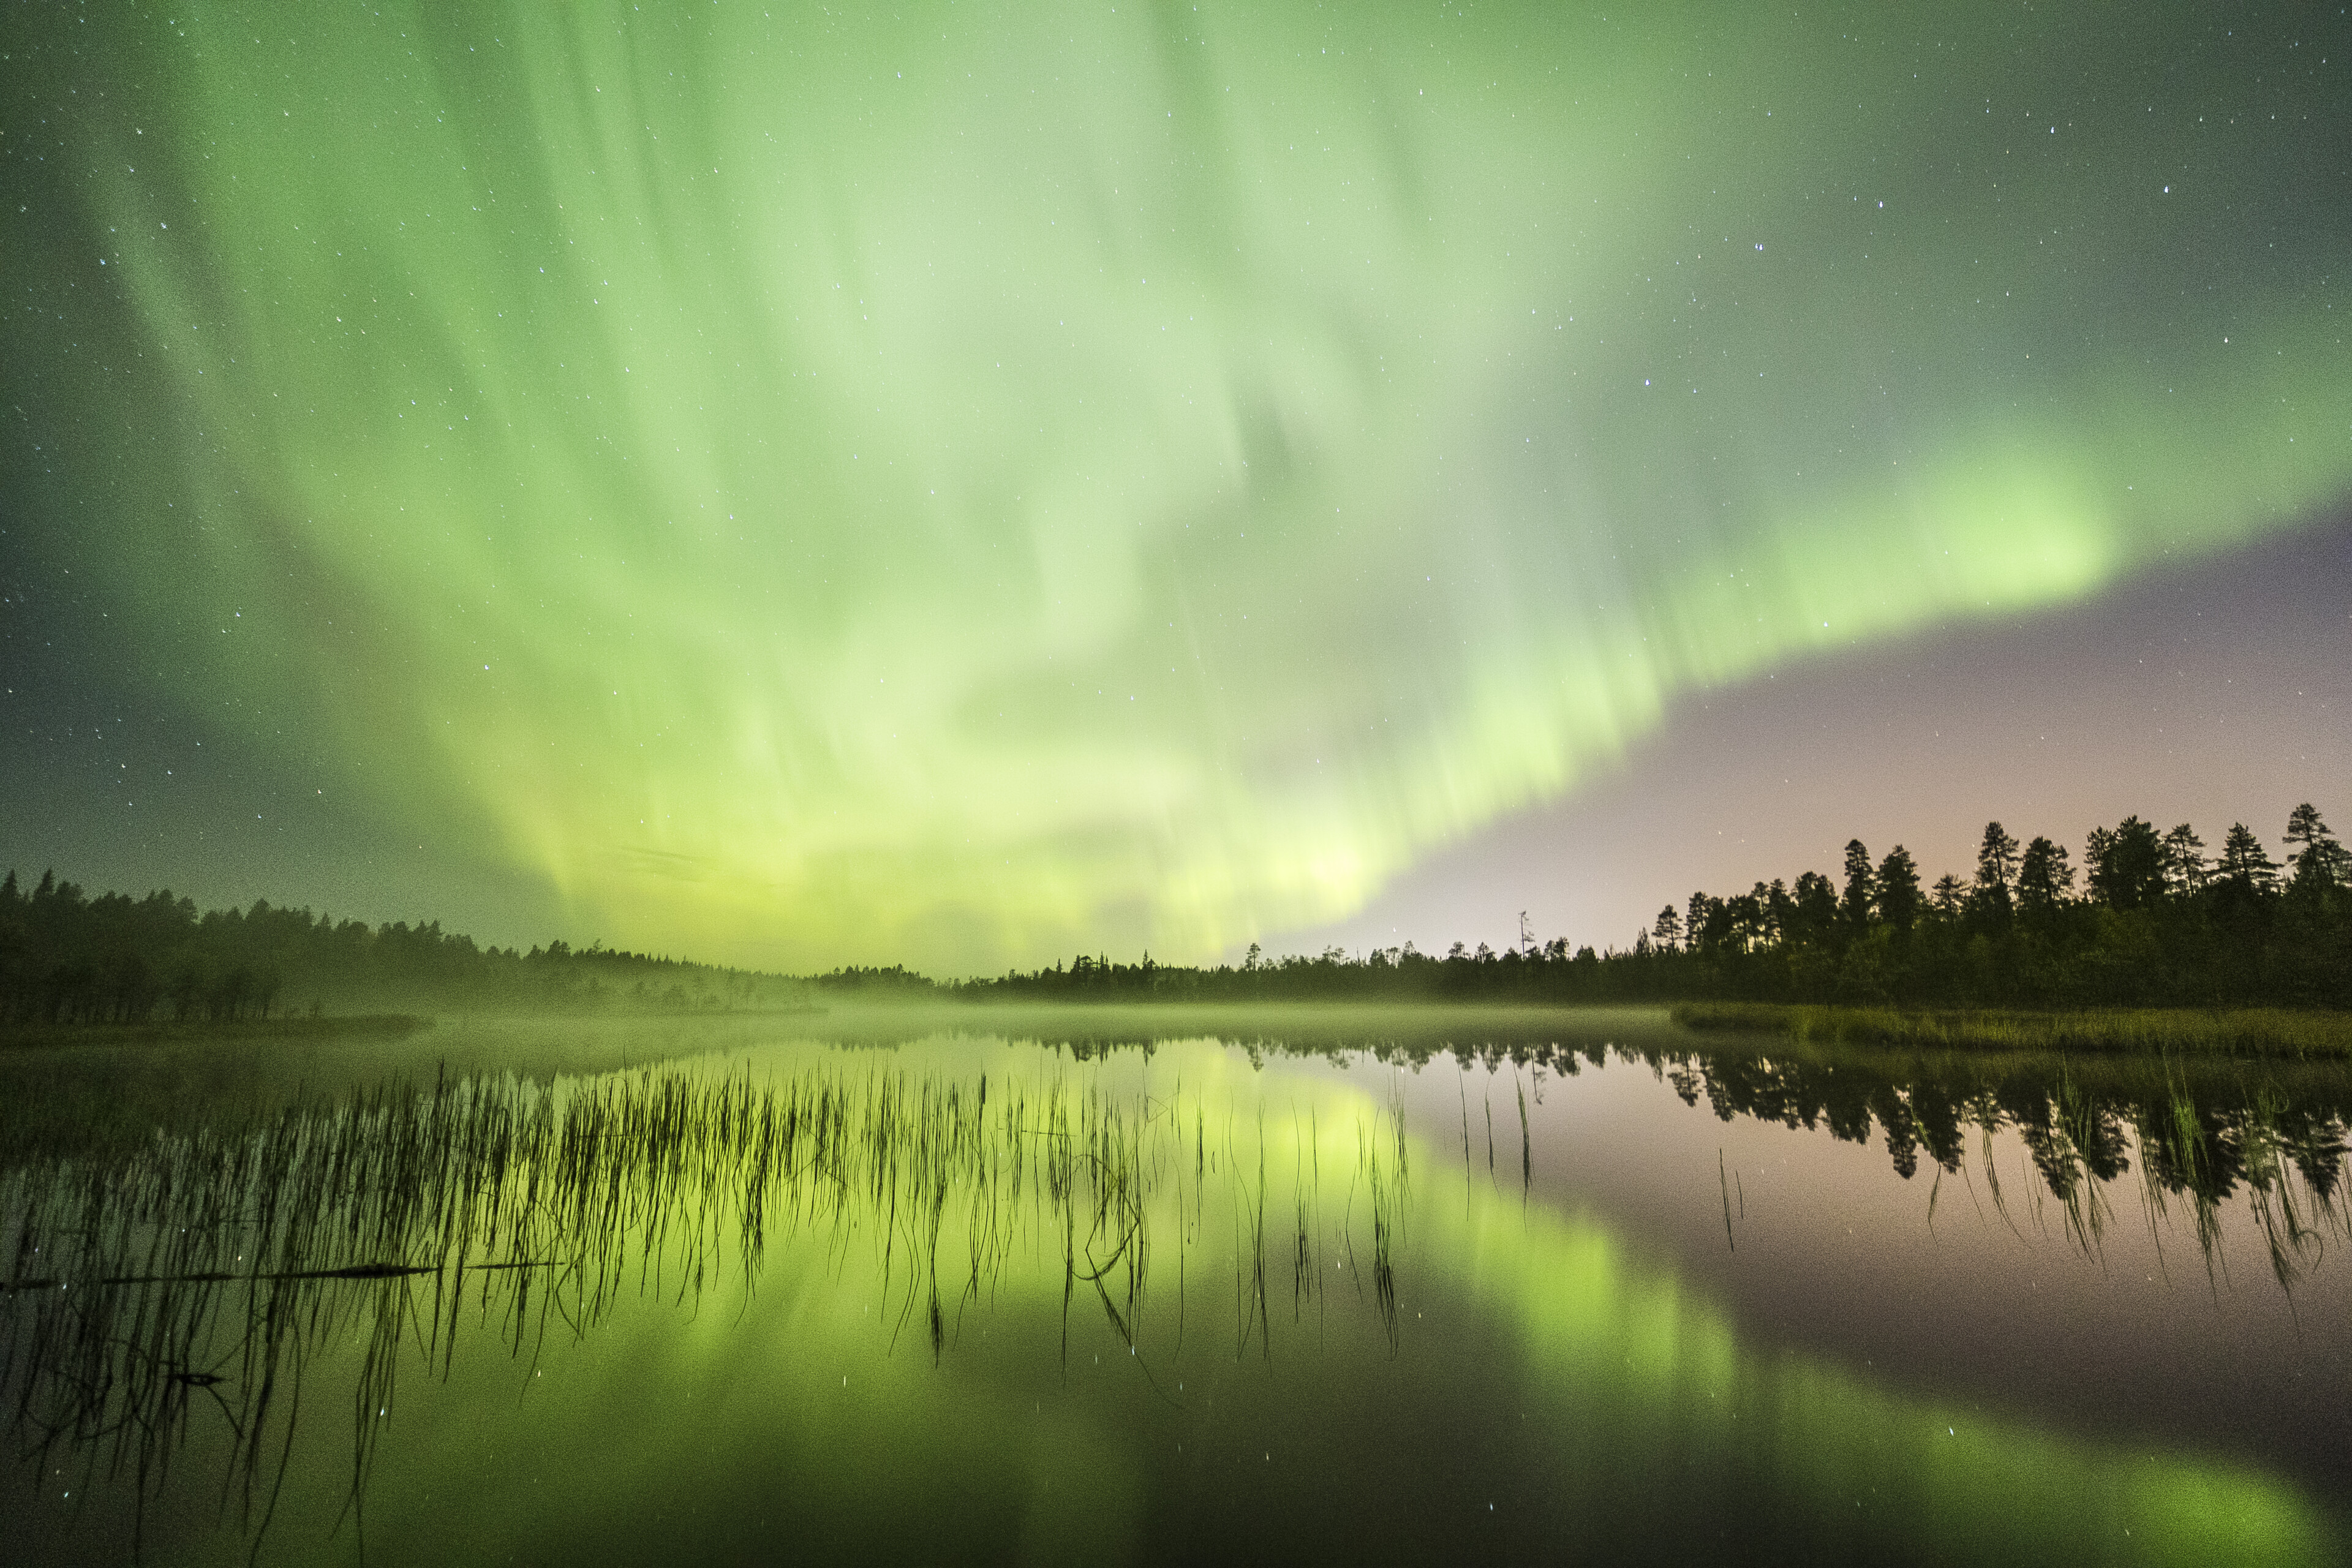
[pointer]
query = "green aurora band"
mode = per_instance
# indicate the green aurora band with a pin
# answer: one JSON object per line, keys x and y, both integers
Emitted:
{"x": 959, "y": 486}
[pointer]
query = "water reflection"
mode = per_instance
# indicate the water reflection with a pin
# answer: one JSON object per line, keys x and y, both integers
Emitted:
{"x": 196, "y": 1276}
{"x": 973, "y": 1228}
{"x": 2200, "y": 1134}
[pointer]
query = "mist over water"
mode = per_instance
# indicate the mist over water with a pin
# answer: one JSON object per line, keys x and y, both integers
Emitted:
{"x": 1485, "y": 1283}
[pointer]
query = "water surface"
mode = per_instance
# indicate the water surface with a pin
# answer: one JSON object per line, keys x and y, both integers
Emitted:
{"x": 1123, "y": 1285}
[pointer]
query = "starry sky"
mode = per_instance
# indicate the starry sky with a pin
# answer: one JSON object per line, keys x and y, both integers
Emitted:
{"x": 795, "y": 487}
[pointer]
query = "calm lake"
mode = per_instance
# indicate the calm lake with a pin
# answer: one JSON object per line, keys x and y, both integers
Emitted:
{"x": 964, "y": 1284}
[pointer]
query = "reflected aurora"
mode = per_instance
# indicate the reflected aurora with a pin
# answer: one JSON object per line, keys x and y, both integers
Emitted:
{"x": 786, "y": 1378}
{"x": 1661, "y": 1380}
{"x": 956, "y": 488}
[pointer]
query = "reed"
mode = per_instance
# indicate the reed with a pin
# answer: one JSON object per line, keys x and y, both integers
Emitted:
{"x": 202, "y": 1275}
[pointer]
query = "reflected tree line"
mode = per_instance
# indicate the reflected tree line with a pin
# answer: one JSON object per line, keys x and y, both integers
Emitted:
{"x": 190, "y": 1287}
{"x": 2199, "y": 1141}
{"x": 2196, "y": 1136}
{"x": 67, "y": 958}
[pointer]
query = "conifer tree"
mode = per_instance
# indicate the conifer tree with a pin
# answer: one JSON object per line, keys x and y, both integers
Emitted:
{"x": 2321, "y": 861}
{"x": 1859, "y": 890}
{"x": 2127, "y": 865}
{"x": 2243, "y": 863}
{"x": 1996, "y": 871}
{"x": 2044, "y": 877}
{"x": 2185, "y": 870}
{"x": 1898, "y": 889}
{"x": 1667, "y": 935}
{"x": 1950, "y": 895}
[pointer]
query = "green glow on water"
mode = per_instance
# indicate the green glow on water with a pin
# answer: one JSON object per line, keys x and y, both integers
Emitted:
{"x": 952, "y": 487}
{"x": 657, "y": 1386}
{"x": 1662, "y": 1383}
{"x": 1652, "y": 1410}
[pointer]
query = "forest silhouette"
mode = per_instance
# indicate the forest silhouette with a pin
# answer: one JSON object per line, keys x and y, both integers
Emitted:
{"x": 2149, "y": 919}
{"x": 2154, "y": 921}
{"x": 66, "y": 958}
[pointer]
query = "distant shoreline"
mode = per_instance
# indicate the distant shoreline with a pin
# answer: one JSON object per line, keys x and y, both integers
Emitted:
{"x": 2144, "y": 1031}
{"x": 2233, "y": 1031}
{"x": 360, "y": 1026}
{"x": 331, "y": 1025}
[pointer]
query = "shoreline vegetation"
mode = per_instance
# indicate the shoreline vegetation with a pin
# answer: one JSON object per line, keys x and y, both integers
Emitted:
{"x": 326, "y": 1027}
{"x": 168, "y": 1031}
{"x": 2145, "y": 1031}
{"x": 70, "y": 959}
{"x": 2161, "y": 948}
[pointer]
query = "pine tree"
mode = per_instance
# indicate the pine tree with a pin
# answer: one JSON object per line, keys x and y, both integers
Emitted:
{"x": 1996, "y": 871}
{"x": 2243, "y": 864}
{"x": 1898, "y": 889}
{"x": 2044, "y": 877}
{"x": 2185, "y": 870}
{"x": 1816, "y": 902}
{"x": 1950, "y": 895}
{"x": 2127, "y": 865}
{"x": 2322, "y": 861}
{"x": 1859, "y": 890}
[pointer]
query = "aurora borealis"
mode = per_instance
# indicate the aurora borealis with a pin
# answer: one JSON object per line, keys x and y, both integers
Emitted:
{"x": 802, "y": 487}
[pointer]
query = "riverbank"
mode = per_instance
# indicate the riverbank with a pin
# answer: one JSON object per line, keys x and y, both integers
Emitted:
{"x": 2232, "y": 1031}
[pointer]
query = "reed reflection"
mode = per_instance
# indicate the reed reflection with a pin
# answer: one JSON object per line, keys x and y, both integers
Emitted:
{"x": 198, "y": 1279}
{"x": 174, "y": 1310}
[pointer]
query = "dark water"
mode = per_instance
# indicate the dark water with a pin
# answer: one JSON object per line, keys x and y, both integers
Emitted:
{"x": 1386, "y": 1287}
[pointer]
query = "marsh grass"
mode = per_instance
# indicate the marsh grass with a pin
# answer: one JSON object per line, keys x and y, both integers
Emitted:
{"x": 2240, "y": 1031}
{"x": 202, "y": 1276}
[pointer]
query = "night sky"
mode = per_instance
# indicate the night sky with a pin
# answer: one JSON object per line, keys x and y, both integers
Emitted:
{"x": 795, "y": 488}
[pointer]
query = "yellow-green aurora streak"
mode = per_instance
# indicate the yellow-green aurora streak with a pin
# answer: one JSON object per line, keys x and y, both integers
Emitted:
{"x": 957, "y": 486}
